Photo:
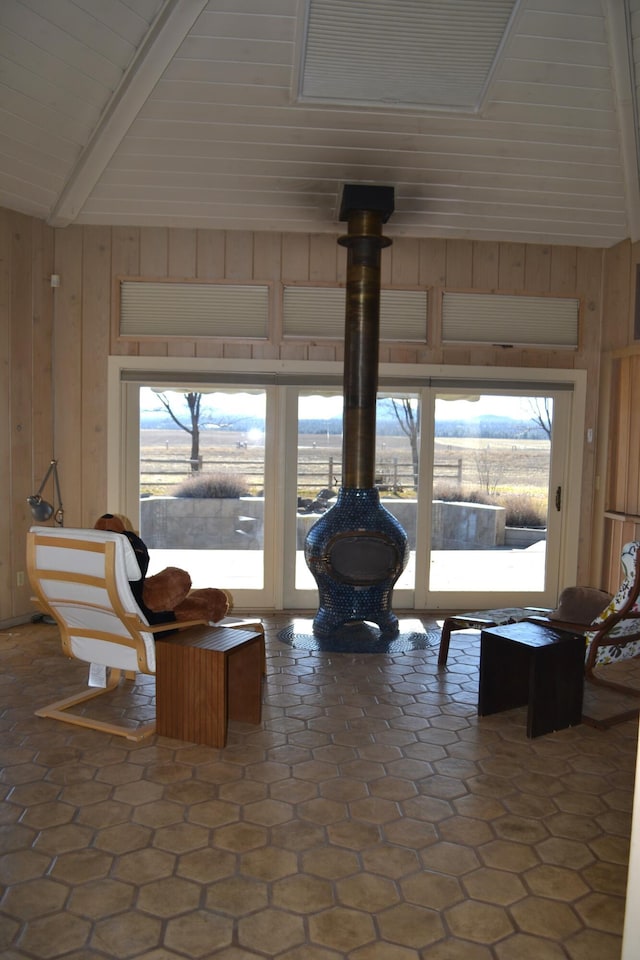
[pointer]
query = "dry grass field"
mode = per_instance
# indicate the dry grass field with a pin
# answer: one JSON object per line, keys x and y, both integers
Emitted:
{"x": 519, "y": 466}
{"x": 500, "y": 466}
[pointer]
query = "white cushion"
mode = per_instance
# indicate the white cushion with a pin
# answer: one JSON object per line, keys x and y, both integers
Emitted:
{"x": 85, "y": 607}
{"x": 125, "y": 554}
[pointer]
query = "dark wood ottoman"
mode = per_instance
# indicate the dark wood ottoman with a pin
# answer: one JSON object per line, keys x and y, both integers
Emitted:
{"x": 205, "y": 677}
{"x": 480, "y": 619}
{"x": 536, "y": 665}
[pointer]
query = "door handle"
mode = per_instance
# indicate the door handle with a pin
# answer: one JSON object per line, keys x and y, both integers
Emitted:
{"x": 558, "y": 498}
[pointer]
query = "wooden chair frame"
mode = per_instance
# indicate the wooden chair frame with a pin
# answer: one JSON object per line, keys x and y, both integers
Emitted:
{"x": 600, "y": 633}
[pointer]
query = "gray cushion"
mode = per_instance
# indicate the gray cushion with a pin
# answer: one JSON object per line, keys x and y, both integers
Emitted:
{"x": 580, "y": 604}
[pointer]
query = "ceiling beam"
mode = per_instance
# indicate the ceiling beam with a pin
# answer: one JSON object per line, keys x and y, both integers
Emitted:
{"x": 154, "y": 54}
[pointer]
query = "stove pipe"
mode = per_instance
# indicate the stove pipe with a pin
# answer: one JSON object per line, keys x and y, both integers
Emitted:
{"x": 365, "y": 209}
{"x": 357, "y": 550}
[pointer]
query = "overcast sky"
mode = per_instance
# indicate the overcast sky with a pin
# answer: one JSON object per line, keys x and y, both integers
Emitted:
{"x": 326, "y": 408}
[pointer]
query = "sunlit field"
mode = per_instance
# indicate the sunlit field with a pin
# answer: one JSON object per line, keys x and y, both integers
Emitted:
{"x": 496, "y": 466}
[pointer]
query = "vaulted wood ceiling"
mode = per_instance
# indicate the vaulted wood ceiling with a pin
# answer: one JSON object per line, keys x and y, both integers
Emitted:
{"x": 493, "y": 119}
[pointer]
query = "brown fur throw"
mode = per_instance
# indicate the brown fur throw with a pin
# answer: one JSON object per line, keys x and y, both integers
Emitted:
{"x": 165, "y": 590}
{"x": 207, "y": 603}
{"x": 170, "y": 590}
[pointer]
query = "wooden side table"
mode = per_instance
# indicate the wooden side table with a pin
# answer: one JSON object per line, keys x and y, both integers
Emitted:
{"x": 205, "y": 677}
{"x": 536, "y": 665}
{"x": 479, "y": 619}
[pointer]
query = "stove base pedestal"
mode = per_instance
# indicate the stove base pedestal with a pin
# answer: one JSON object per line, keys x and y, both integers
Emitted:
{"x": 361, "y": 638}
{"x": 327, "y": 622}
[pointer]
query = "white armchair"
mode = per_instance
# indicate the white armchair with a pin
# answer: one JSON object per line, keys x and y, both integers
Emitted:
{"x": 81, "y": 578}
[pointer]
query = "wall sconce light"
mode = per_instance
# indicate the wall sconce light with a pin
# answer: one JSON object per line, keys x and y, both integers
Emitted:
{"x": 41, "y": 510}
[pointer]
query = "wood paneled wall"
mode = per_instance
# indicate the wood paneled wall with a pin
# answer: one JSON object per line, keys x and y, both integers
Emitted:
{"x": 619, "y": 462}
{"x": 26, "y": 422}
{"x": 89, "y": 259}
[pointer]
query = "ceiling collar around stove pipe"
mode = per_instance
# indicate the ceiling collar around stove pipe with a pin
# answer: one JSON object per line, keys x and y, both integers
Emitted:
{"x": 365, "y": 208}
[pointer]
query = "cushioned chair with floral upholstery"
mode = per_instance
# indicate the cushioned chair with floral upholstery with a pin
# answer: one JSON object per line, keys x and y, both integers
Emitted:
{"x": 613, "y": 633}
{"x": 82, "y": 578}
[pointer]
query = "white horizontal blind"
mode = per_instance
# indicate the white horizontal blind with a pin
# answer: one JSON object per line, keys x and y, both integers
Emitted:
{"x": 171, "y": 309}
{"x": 319, "y": 313}
{"x": 414, "y": 51}
{"x": 521, "y": 321}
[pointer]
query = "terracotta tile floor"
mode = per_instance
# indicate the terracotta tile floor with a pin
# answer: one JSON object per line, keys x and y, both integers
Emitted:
{"x": 372, "y": 816}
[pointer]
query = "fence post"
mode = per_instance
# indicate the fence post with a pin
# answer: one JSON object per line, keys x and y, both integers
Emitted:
{"x": 330, "y": 480}
{"x": 459, "y": 471}
{"x": 395, "y": 474}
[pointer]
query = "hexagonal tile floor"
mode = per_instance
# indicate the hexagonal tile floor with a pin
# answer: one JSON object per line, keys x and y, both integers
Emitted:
{"x": 371, "y": 816}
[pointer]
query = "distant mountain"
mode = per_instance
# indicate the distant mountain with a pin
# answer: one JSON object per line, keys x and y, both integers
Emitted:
{"x": 159, "y": 420}
{"x": 491, "y": 426}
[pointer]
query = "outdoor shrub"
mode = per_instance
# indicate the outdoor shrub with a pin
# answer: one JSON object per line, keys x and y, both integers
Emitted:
{"x": 490, "y": 465}
{"x": 452, "y": 494}
{"x": 523, "y": 510}
{"x": 213, "y": 486}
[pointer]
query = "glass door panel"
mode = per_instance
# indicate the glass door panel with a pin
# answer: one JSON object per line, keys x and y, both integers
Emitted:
{"x": 319, "y": 472}
{"x": 202, "y": 483}
{"x": 398, "y": 469}
{"x": 491, "y": 494}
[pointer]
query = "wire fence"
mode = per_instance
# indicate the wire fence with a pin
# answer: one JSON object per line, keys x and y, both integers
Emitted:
{"x": 164, "y": 473}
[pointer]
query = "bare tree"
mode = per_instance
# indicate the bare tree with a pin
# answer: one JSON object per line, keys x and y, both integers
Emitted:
{"x": 490, "y": 465}
{"x": 193, "y": 401}
{"x": 542, "y": 413}
{"x": 196, "y": 421}
{"x": 407, "y": 413}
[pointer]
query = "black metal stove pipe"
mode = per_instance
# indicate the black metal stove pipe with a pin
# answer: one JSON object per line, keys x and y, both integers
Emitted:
{"x": 361, "y": 346}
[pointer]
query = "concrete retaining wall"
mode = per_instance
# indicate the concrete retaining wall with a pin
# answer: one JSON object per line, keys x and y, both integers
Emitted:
{"x": 466, "y": 526}
{"x": 521, "y": 537}
{"x": 183, "y": 523}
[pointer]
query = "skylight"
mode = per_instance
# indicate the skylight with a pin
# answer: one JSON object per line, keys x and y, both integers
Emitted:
{"x": 425, "y": 53}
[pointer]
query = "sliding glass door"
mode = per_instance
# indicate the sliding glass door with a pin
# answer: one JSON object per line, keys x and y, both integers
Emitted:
{"x": 496, "y": 488}
{"x": 202, "y": 484}
{"x": 318, "y": 458}
{"x": 475, "y": 476}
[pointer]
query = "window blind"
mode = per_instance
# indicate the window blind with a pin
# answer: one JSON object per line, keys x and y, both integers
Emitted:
{"x": 171, "y": 309}
{"x": 514, "y": 320}
{"x": 319, "y": 313}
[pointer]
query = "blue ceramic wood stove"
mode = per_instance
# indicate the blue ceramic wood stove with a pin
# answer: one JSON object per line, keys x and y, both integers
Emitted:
{"x": 357, "y": 550}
